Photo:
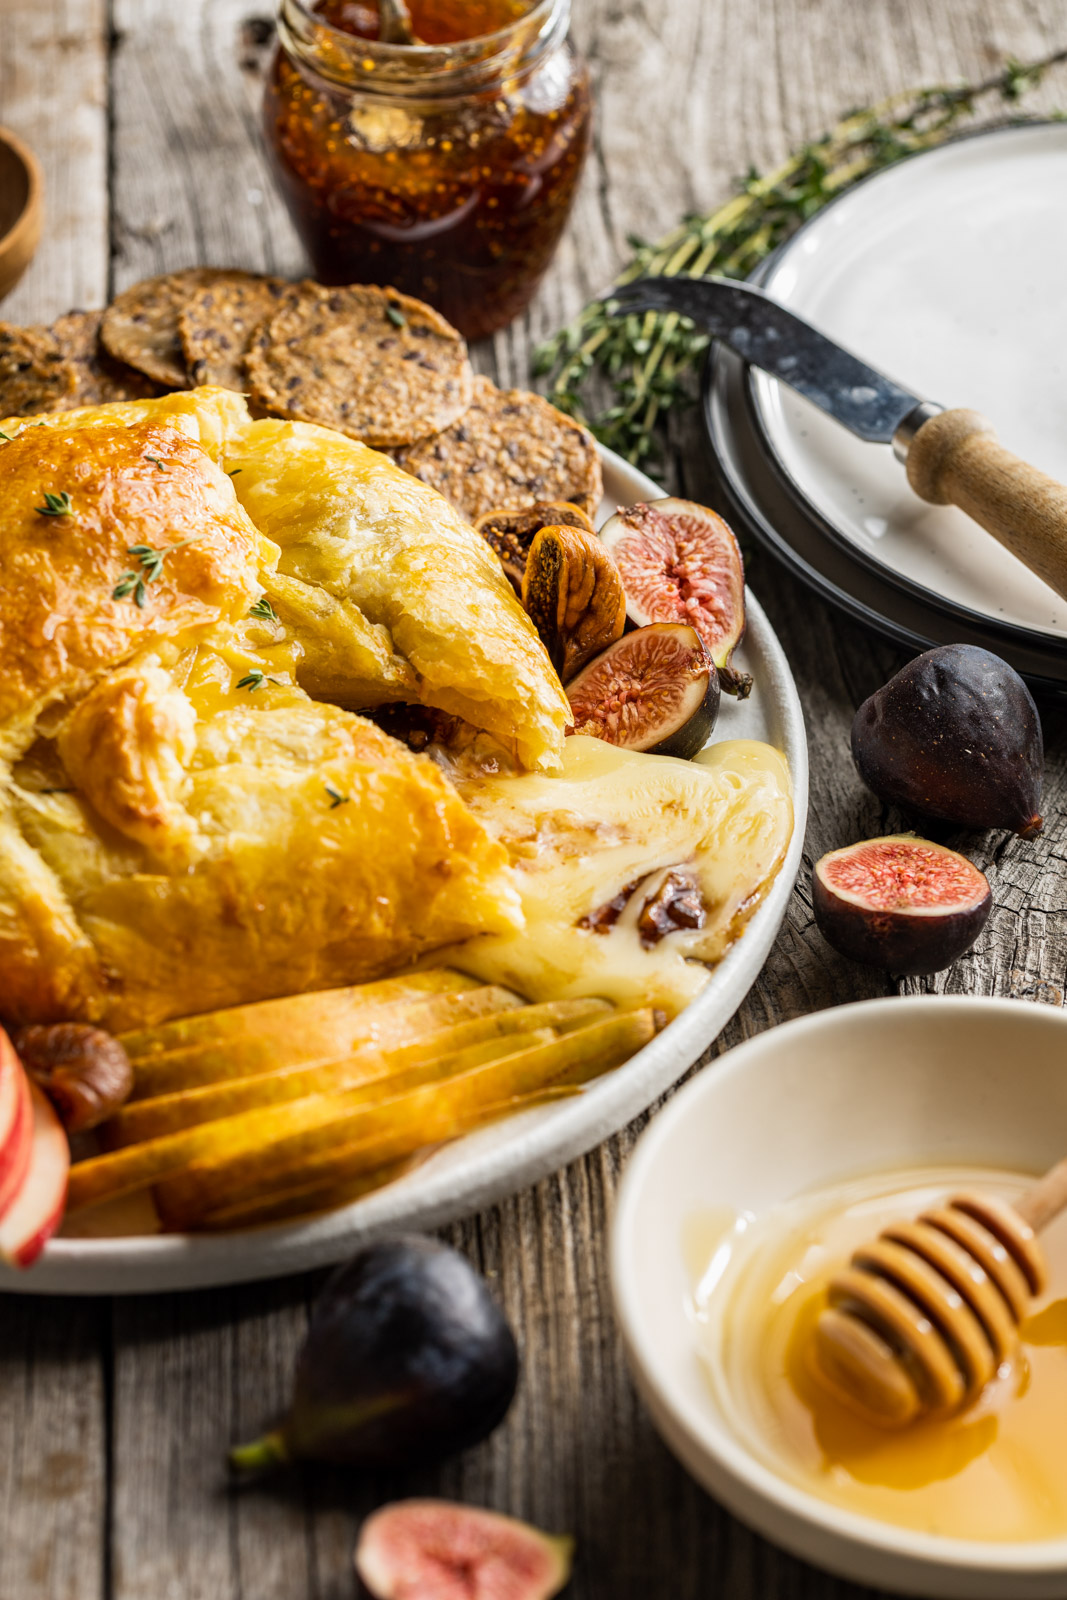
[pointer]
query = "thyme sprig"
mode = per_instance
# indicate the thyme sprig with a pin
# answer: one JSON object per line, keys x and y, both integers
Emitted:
{"x": 255, "y": 679}
{"x": 263, "y": 611}
{"x": 336, "y": 797}
{"x": 647, "y": 359}
{"x": 150, "y": 562}
{"x": 55, "y": 505}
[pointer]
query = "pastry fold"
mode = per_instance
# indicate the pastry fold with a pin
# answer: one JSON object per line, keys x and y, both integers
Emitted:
{"x": 182, "y": 826}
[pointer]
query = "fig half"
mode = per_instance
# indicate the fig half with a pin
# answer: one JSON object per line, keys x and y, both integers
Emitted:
{"x": 655, "y": 689}
{"x": 900, "y": 903}
{"x": 680, "y": 562}
{"x": 956, "y": 735}
{"x": 436, "y": 1550}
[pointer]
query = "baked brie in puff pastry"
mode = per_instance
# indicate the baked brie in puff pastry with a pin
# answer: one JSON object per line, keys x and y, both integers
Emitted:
{"x": 182, "y": 826}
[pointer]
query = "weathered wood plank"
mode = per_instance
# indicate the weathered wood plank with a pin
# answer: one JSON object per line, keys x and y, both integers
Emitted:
{"x": 190, "y": 183}
{"x": 53, "y": 1478}
{"x": 689, "y": 94}
{"x": 53, "y": 94}
{"x": 53, "y": 1366}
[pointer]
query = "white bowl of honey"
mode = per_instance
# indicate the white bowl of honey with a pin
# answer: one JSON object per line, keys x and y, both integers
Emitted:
{"x": 747, "y": 1191}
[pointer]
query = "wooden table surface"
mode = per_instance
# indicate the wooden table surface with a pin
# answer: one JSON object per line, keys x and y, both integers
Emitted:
{"x": 114, "y": 1414}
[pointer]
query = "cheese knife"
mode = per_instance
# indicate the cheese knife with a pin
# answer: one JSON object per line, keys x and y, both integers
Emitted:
{"x": 952, "y": 457}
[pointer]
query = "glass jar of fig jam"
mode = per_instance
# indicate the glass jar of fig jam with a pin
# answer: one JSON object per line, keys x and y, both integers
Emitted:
{"x": 446, "y": 168}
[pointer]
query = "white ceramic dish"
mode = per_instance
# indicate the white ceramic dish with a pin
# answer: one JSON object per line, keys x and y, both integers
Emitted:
{"x": 855, "y": 1090}
{"x": 947, "y": 273}
{"x": 509, "y": 1155}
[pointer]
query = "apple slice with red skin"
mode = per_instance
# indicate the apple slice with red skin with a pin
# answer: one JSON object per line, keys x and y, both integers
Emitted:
{"x": 16, "y": 1123}
{"x": 37, "y": 1209}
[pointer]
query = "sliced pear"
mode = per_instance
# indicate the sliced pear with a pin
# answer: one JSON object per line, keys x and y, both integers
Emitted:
{"x": 186, "y": 1107}
{"x": 303, "y": 1199}
{"x": 290, "y": 1010}
{"x": 369, "y": 1070}
{"x": 342, "y": 1138}
{"x": 248, "y": 1153}
{"x": 302, "y": 1039}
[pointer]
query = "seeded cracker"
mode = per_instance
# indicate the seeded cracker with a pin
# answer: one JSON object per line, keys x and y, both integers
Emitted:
{"x": 371, "y": 363}
{"x": 141, "y": 326}
{"x": 217, "y": 323}
{"x": 34, "y": 374}
{"x": 507, "y": 452}
{"x": 101, "y": 378}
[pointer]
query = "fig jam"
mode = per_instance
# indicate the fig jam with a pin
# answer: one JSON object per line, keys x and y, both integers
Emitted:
{"x": 446, "y": 169}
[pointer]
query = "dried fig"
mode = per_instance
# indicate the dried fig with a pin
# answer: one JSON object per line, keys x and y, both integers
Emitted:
{"x": 574, "y": 596}
{"x": 85, "y": 1073}
{"x": 511, "y": 533}
{"x": 677, "y": 903}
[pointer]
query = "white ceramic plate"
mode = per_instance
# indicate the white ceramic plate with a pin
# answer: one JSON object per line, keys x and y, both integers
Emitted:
{"x": 500, "y": 1159}
{"x": 946, "y": 272}
{"x": 881, "y": 1086}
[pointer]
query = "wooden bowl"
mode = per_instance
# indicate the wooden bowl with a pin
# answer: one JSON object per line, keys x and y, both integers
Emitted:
{"x": 21, "y": 209}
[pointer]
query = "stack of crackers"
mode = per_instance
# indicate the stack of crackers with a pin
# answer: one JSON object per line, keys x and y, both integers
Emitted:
{"x": 372, "y": 363}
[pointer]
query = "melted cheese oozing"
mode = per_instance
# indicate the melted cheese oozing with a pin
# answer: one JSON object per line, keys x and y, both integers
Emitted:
{"x": 613, "y": 817}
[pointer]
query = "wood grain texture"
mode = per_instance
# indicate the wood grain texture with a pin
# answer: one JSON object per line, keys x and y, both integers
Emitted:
{"x": 53, "y": 94}
{"x": 146, "y": 1395}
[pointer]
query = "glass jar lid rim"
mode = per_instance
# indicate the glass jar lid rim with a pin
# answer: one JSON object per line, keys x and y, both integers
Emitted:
{"x": 420, "y": 65}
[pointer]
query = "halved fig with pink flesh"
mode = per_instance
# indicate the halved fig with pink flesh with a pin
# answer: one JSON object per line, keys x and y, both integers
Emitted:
{"x": 655, "y": 689}
{"x": 433, "y": 1549}
{"x": 680, "y": 562}
{"x": 900, "y": 903}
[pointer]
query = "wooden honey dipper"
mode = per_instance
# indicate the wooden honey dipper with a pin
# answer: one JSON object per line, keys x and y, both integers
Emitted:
{"x": 924, "y": 1317}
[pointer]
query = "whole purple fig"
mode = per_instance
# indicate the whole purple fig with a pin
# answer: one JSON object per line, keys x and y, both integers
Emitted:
{"x": 954, "y": 735}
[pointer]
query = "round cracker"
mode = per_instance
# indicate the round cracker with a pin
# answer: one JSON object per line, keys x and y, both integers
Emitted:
{"x": 100, "y": 378}
{"x": 372, "y": 363}
{"x": 217, "y": 323}
{"x": 140, "y": 326}
{"x": 35, "y": 376}
{"x": 510, "y": 450}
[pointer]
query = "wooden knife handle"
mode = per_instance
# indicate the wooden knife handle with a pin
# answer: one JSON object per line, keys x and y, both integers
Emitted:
{"x": 955, "y": 459}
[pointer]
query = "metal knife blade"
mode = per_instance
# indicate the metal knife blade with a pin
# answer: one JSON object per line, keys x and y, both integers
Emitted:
{"x": 784, "y": 345}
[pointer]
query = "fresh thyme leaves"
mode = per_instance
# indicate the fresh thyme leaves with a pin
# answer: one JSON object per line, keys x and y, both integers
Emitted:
{"x": 646, "y": 360}
{"x": 130, "y": 583}
{"x": 162, "y": 465}
{"x": 396, "y": 316}
{"x": 263, "y": 611}
{"x": 336, "y": 799}
{"x": 55, "y": 505}
{"x": 150, "y": 562}
{"x": 254, "y": 680}
{"x": 235, "y": 472}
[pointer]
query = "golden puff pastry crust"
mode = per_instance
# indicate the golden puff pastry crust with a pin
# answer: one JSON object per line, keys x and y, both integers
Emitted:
{"x": 137, "y": 484}
{"x": 406, "y": 574}
{"x": 181, "y": 826}
{"x": 296, "y": 847}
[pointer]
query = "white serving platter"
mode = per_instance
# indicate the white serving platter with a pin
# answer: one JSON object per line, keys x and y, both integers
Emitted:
{"x": 509, "y": 1155}
{"x": 947, "y": 273}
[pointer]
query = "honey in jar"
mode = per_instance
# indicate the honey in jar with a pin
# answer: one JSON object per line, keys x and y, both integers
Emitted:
{"x": 446, "y": 168}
